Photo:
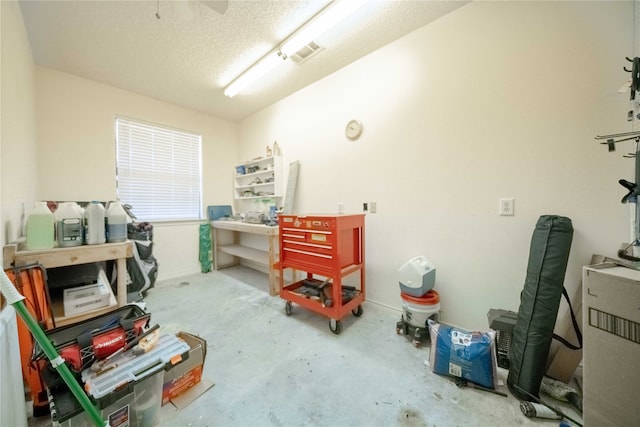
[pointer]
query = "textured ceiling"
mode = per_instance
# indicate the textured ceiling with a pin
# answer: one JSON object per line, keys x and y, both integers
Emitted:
{"x": 191, "y": 52}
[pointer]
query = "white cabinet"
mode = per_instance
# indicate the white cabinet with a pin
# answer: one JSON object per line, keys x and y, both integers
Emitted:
{"x": 259, "y": 178}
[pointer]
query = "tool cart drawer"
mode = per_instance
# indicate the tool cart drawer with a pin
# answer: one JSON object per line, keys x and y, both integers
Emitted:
{"x": 320, "y": 241}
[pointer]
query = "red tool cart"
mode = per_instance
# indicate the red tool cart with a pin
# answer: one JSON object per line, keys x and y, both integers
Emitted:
{"x": 327, "y": 248}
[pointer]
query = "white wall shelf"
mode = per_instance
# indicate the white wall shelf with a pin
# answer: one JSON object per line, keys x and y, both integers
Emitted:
{"x": 259, "y": 178}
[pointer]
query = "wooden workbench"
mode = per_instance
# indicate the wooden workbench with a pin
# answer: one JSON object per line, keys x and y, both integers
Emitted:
{"x": 234, "y": 246}
{"x": 61, "y": 257}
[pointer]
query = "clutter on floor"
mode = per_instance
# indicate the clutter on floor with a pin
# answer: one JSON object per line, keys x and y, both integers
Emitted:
{"x": 260, "y": 355}
{"x": 113, "y": 369}
{"x": 129, "y": 386}
{"x": 517, "y": 341}
{"x": 129, "y": 369}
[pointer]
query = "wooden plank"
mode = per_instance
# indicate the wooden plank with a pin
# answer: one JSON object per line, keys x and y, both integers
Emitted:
{"x": 59, "y": 257}
{"x": 246, "y": 228}
{"x": 246, "y": 252}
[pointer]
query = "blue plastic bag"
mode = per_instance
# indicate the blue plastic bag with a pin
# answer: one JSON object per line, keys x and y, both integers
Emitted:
{"x": 470, "y": 355}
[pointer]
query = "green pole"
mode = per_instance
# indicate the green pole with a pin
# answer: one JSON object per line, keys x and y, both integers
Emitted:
{"x": 15, "y": 299}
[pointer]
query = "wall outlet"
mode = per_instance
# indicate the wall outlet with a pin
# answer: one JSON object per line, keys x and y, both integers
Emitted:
{"x": 340, "y": 207}
{"x": 373, "y": 207}
{"x": 506, "y": 207}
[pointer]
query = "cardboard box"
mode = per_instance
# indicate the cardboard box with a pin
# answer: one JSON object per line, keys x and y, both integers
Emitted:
{"x": 81, "y": 299}
{"x": 611, "y": 322}
{"x": 182, "y": 382}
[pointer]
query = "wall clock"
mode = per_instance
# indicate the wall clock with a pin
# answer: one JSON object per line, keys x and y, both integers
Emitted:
{"x": 353, "y": 130}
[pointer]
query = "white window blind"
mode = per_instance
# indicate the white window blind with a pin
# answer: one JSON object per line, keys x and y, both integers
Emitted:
{"x": 159, "y": 171}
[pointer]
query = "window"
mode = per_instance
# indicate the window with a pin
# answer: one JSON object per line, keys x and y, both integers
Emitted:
{"x": 158, "y": 171}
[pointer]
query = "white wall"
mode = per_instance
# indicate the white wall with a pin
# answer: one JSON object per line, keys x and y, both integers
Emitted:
{"x": 18, "y": 131}
{"x": 17, "y": 185}
{"x": 76, "y": 150}
{"x": 497, "y": 99}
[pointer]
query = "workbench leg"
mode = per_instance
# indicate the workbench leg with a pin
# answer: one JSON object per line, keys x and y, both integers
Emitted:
{"x": 121, "y": 281}
{"x": 274, "y": 288}
{"x": 214, "y": 247}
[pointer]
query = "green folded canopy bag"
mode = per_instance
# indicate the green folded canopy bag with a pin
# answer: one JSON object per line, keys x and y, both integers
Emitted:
{"x": 539, "y": 302}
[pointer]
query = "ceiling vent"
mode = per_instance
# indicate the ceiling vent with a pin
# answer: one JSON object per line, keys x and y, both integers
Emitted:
{"x": 306, "y": 52}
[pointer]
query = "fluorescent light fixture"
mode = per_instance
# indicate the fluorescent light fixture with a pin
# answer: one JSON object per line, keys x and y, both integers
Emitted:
{"x": 335, "y": 12}
{"x": 257, "y": 70}
{"x": 319, "y": 24}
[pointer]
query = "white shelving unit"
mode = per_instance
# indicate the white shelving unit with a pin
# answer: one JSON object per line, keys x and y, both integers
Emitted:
{"x": 259, "y": 178}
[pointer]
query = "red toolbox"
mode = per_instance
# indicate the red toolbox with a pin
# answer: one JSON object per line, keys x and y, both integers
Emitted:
{"x": 327, "y": 248}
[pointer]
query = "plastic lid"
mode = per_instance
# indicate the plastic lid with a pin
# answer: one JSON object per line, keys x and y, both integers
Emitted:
{"x": 430, "y": 298}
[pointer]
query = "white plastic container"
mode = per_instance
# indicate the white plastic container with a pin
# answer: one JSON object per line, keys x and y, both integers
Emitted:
{"x": 69, "y": 224}
{"x": 417, "y": 310}
{"x": 417, "y": 276}
{"x": 94, "y": 220}
{"x": 116, "y": 223}
{"x": 41, "y": 228}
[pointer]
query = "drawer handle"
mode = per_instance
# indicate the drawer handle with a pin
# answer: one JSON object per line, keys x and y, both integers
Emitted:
{"x": 307, "y": 230}
{"x": 307, "y": 253}
{"x": 295, "y": 236}
{"x": 313, "y": 245}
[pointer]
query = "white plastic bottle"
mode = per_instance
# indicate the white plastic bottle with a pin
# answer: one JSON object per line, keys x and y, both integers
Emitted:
{"x": 116, "y": 223}
{"x": 94, "y": 219}
{"x": 69, "y": 224}
{"x": 41, "y": 227}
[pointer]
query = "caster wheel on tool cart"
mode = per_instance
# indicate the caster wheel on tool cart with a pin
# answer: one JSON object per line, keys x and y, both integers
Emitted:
{"x": 357, "y": 311}
{"x": 335, "y": 326}
{"x": 288, "y": 307}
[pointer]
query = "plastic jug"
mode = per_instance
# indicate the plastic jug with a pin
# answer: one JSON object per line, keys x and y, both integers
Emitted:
{"x": 94, "y": 220}
{"x": 41, "y": 227}
{"x": 69, "y": 224}
{"x": 116, "y": 223}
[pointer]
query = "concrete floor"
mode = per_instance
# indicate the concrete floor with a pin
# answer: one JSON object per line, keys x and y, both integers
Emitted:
{"x": 270, "y": 369}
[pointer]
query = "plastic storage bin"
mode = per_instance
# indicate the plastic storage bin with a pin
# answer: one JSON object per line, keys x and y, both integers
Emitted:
{"x": 136, "y": 405}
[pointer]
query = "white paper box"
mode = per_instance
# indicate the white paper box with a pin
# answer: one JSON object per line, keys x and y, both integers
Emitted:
{"x": 81, "y": 299}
